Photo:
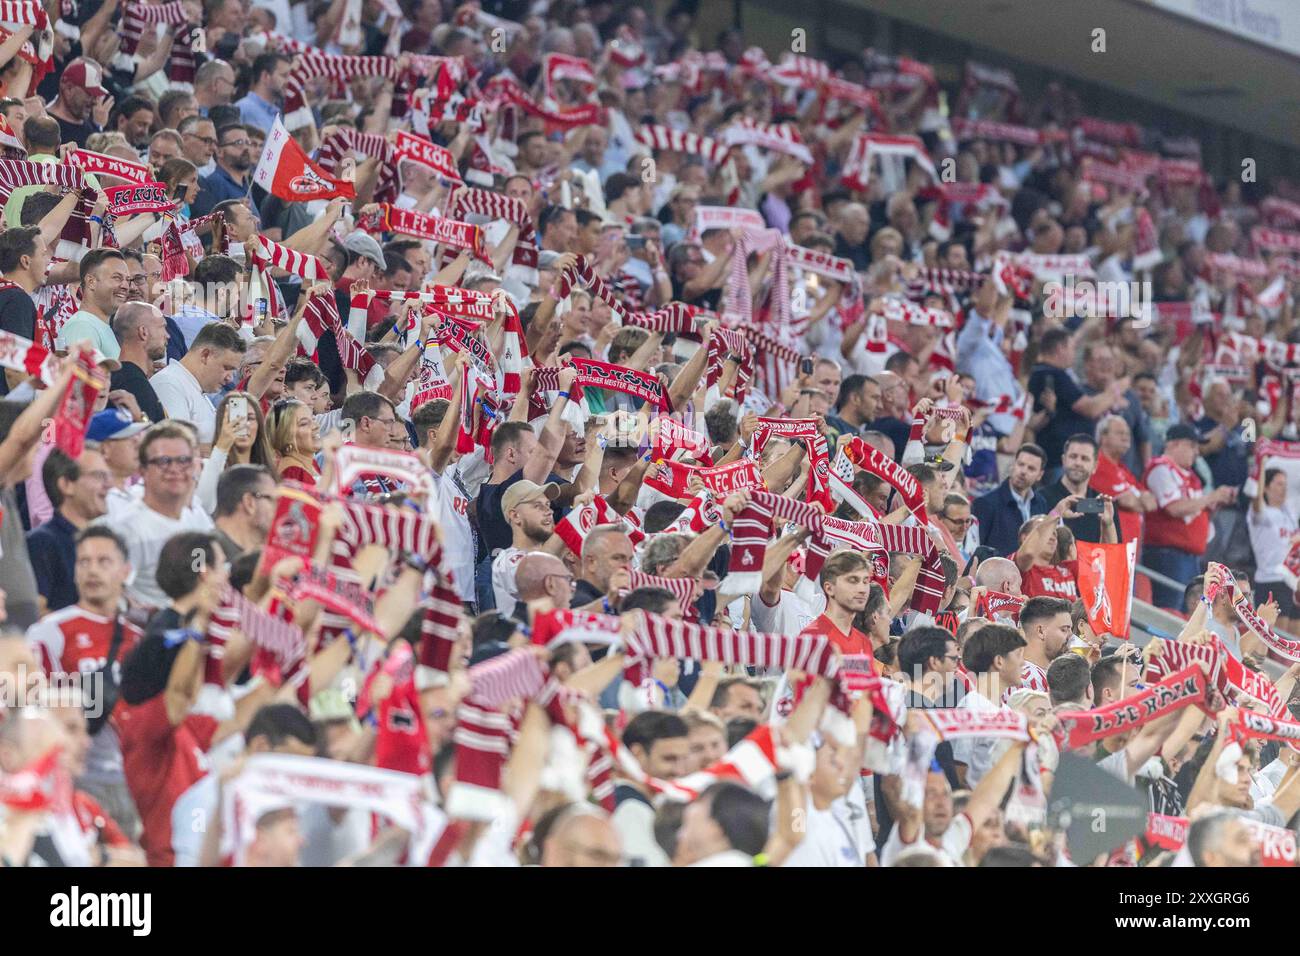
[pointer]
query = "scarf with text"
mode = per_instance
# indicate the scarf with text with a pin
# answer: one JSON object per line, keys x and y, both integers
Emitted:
{"x": 449, "y": 232}
{"x": 616, "y": 378}
{"x": 670, "y": 437}
{"x": 1080, "y": 728}
{"x": 574, "y": 527}
{"x": 873, "y": 461}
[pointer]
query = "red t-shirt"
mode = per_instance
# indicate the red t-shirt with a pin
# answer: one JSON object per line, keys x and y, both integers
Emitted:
{"x": 299, "y": 473}
{"x": 73, "y": 640}
{"x": 1051, "y": 580}
{"x": 1112, "y": 478}
{"x": 94, "y": 821}
{"x": 854, "y": 642}
{"x": 161, "y": 762}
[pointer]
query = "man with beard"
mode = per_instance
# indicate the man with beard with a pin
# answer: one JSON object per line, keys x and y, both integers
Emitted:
{"x": 81, "y": 87}
{"x": 1078, "y": 462}
{"x": 230, "y": 180}
{"x": 141, "y": 332}
{"x": 261, "y": 105}
{"x": 245, "y": 508}
{"x": 1047, "y": 626}
{"x": 527, "y": 507}
{"x": 133, "y": 118}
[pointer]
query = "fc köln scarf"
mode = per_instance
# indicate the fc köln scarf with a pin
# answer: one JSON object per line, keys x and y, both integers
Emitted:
{"x": 1106, "y": 573}
{"x": 285, "y": 171}
{"x": 996, "y": 606}
{"x": 146, "y": 197}
{"x": 871, "y": 460}
{"x": 670, "y": 437}
{"x": 449, "y": 232}
{"x": 419, "y": 150}
{"x": 574, "y": 527}
{"x": 1081, "y": 728}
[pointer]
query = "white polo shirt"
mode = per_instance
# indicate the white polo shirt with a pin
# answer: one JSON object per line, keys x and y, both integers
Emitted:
{"x": 183, "y": 398}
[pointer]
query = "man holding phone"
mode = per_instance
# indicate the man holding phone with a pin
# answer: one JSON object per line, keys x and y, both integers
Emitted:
{"x": 1078, "y": 462}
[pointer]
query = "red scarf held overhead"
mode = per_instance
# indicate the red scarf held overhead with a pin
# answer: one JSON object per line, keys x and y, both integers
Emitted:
{"x": 1081, "y": 728}
{"x": 873, "y": 461}
{"x": 616, "y": 378}
{"x": 458, "y": 235}
{"x": 805, "y": 430}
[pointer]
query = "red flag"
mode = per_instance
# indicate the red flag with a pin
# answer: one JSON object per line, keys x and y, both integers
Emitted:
{"x": 285, "y": 171}
{"x": 1106, "y": 585}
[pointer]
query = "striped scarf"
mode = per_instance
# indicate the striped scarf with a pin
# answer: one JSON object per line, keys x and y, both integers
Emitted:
{"x": 346, "y": 140}
{"x": 582, "y": 273}
{"x": 483, "y": 202}
{"x": 442, "y": 614}
{"x": 316, "y": 63}
{"x": 76, "y": 232}
{"x": 804, "y": 430}
{"x": 484, "y": 732}
{"x": 676, "y": 317}
{"x": 679, "y": 141}
{"x": 321, "y": 316}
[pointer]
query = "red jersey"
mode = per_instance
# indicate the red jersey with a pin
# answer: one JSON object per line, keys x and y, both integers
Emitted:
{"x": 299, "y": 473}
{"x": 1051, "y": 580}
{"x": 854, "y": 642}
{"x": 76, "y": 641}
{"x": 95, "y": 823}
{"x": 1112, "y": 478}
{"x": 1170, "y": 483}
{"x": 161, "y": 762}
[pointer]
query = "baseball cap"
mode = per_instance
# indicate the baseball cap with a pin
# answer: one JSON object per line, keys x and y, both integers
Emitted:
{"x": 86, "y": 74}
{"x": 113, "y": 423}
{"x": 99, "y": 358}
{"x": 1183, "y": 431}
{"x": 362, "y": 244}
{"x": 525, "y": 490}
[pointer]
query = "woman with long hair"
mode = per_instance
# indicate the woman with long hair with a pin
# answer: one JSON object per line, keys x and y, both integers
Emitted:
{"x": 295, "y": 440}
{"x": 239, "y": 439}
{"x": 1273, "y": 530}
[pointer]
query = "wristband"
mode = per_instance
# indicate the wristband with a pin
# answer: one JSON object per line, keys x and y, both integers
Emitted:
{"x": 95, "y": 219}
{"x": 563, "y": 395}
{"x": 606, "y": 606}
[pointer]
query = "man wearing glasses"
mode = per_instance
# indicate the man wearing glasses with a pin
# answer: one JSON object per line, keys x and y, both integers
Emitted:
{"x": 199, "y": 143}
{"x": 230, "y": 180}
{"x": 168, "y": 460}
{"x": 957, "y": 519}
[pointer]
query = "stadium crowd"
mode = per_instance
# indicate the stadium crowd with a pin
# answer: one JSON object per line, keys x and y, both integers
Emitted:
{"x": 541, "y": 434}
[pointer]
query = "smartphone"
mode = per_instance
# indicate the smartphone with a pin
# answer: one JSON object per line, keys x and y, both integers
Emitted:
{"x": 261, "y": 307}
{"x": 238, "y": 409}
{"x": 1090, "y": 506}
{"x": 806, "y": 366}
{"x": 636, "y": 243}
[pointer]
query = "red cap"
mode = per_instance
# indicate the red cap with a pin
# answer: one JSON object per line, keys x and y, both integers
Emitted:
{"x": 86, "y": 74}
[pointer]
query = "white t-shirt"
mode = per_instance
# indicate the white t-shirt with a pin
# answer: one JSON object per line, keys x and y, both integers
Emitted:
{"x": 504, "y": 566}
{"x": 1168, "y": 485}
{"x": 953, "y": 844}
{"x": 1270, "y": 538}
{"x": 840, "y": 835}
{"x": 183, "y": 398}
{"x": 145, "y": 532}
{"x": 452, "y": 508}
{"x": 790, "y": 615}
{"x": 975, "y": 752}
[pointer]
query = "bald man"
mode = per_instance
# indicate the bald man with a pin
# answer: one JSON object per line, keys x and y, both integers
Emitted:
{"x": 543, "y": 584}
{"x": 584, "y": 837}
{"x": 999, "y": 574}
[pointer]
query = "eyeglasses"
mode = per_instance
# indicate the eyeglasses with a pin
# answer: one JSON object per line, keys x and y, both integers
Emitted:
{"x": 238, "y": 143}
{"x": 166, "y": 461}
{"x": 568, "y": 579}
{"x": 964, "y": 522}
{"x": 210, "y": 140}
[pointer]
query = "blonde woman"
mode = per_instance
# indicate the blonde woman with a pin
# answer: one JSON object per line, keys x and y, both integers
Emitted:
{"x": 295, "y": 440}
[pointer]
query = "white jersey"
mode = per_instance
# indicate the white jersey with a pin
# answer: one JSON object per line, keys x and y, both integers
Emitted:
{"x": 1270, "y": 538}
{"x": 504, "y": 589}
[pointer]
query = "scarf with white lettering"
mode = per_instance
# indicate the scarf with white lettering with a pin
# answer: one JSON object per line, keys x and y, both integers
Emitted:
{"x": 871, "y": 460}
{"x": 448, "y": 232}
{"x": 1081, "y": 728}
{"x": 803, "y": 430}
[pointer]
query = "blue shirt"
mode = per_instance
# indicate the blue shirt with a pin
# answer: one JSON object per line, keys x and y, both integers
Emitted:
{"x": 53, "y": 552}
{"x": 255, "y": 111}
{"x": 216, "y": 188}
{"x": 979, "y": 355}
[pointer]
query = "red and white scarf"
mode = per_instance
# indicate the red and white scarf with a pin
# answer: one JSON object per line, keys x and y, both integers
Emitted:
{"x": 1081, "y": 728}
{"x": 867, "y": 146}
{"x": 483, "y": 202}
{"x": 873, "y": 461}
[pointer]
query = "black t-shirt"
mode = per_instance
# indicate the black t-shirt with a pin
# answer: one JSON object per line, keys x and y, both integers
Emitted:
{"x": 75, "y": 132}
{"x": 492, "y": 523}
{"x": 1065, "y": 421}
{"x": 584, "y": 593}
{"x": 132, "y": 378}
{"x": 1084, "y": 527}
{"x": 17, "y": 317}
